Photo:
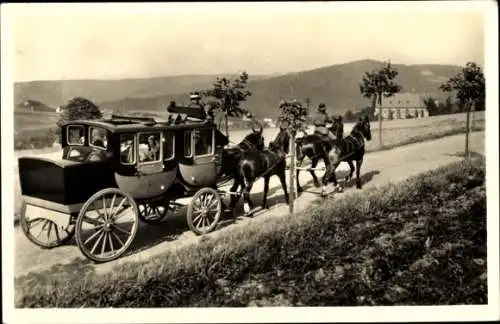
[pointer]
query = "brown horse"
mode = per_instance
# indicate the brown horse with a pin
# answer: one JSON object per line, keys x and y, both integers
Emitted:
{"x": 256, "y": 164}
{"x": 348, "y": 149}
{"x": 316, "y": 148}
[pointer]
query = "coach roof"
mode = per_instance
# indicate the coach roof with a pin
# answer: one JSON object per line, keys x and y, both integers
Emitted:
{"x": 118, "y": 124}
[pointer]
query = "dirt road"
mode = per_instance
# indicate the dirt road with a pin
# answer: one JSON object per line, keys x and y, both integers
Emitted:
{"x": 379, "y": 168}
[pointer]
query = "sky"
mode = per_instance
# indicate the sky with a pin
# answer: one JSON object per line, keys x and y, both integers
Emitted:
{"x": 121, "y": 41}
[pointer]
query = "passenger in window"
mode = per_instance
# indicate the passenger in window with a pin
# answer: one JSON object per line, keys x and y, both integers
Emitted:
{"x": 96, "y": 138}
{"x": 74, "y": 136}
{"x": 153, "y": 152}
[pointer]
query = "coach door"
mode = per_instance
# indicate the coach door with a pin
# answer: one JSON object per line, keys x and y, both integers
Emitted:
{"x": 201, "y": 144}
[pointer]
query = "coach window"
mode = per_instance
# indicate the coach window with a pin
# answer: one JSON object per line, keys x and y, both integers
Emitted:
{"x": 75, "y": 135}
{"x": 203, "y": 142}
{"x": 149, "y": 147}
{"x": 168, "y": 146}
{"x": 187, "y": 144}
{"x": 127, "y": 149}
{"x": 98, "y": 137}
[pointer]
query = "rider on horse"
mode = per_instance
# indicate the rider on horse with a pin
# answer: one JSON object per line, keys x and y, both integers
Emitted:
{"x": 319, "y": 121}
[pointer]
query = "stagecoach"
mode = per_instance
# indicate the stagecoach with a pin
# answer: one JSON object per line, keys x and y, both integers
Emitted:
{"x": 114, "y": 172}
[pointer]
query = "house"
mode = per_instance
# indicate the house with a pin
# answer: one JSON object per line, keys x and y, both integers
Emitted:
{"x": 269, "y": 122}
{"x": 402, "y": 106}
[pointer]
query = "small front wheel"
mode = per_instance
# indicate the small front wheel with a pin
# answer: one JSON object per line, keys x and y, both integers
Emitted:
{"x": 204, "y": 211}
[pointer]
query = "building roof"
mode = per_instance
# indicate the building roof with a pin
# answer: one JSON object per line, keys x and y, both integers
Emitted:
{"x": 403, "y": 100}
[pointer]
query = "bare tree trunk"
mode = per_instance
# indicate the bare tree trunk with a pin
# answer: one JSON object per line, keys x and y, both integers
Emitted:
{"x": 467, "y": 130}
{"x": 374, "y": 103}
{"x": 292, "y": 174}
{"x": 473, "y": 108}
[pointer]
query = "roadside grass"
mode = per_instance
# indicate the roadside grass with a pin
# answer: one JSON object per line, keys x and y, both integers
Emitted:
{"x": 419, "y": 242}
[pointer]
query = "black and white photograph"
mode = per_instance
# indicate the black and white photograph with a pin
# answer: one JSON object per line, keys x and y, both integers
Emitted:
{"x": 250, "y": 162}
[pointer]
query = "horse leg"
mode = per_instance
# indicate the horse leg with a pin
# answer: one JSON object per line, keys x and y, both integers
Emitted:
{"x": 358, "y": 167}
{"x": 266, "y": 189}
{"x": 299, "y": 164}
{"x": 234, "y": 197}
{"x": 349, "y": 177}
{"x": 314, "y": 163}
{"x": 248, "y": 204}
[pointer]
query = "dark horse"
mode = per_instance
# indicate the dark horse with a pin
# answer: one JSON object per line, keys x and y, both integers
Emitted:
{"x": 231, "y": 157}
{"x": 256, "y": 164}
{"x": 349, "y": 149}
{"x": 316, "y": 148}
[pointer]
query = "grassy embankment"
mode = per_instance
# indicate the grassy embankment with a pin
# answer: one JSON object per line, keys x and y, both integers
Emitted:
{"x": 419, "y": 242}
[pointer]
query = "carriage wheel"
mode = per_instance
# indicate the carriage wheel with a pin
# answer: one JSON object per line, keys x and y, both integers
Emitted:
{"x": 107, "y": 225}
{"x": 204, "y": 211}
{"x": 45, "y": 232}
{"x": 152, "y": 214}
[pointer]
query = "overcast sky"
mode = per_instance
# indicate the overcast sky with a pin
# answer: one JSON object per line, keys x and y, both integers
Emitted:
{"x": 112, "y": 41}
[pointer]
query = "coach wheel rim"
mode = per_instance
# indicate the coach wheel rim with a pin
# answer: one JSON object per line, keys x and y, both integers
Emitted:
{"x": 204, "y": 211}
{"x": 152, "y": 214}
{"x": 55, "y": 234}
{"x": 108, "y": 232}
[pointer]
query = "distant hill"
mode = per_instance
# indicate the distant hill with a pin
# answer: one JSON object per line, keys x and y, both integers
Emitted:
{"x": 58, "y": 92}
{"x": 336, "y": 85}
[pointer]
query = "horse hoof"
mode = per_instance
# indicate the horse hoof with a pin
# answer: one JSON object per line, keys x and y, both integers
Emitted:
{"x": 266, "y": 206}
{"x": 317, "y": 185}
{"x": 246, "y": 208}
{"x": 340, "y": 189}
{"x": 347, "y": 179}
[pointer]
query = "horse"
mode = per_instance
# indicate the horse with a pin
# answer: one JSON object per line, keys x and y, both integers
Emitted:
{"x": 256, "y": 164}
{"x": 315, "y": 148}
{"x": 231, "y": 156}
{"x": 348, "y": 149}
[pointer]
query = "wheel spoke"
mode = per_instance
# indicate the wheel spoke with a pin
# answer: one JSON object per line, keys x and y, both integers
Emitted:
{"x": 197, "y": 217}
{"x": 119, "y": 214}
{"x": 121, "y": 229}
{"x": 97, "y": 242}
{"x": 118, "y": 208}
{"x": 214, "y": 203}
{"x": 118, "y": 238}
{"x": 111, "y": 242}
{"x": 94, "y": 235}
{"x": 199, "y": 222}
{"x": 112, "y": 207}
{"x": 49, "y": 230}
{"x": 35, "y": 221}
{"x": 104, "y": 243}
{"x": 104, "y": 207}
{"x": 57, "y": 233}
{"x": 101, "y": 217}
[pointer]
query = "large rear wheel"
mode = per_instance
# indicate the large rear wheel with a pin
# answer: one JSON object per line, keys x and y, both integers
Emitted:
{"x": 107, "y": 225}
{"x": 45, "y": 232}
{"x": 204, "y": 211}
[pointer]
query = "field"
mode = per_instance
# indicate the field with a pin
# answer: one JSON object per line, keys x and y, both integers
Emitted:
{"x": 395, "y": 132}
{"x": 419, "y": 242}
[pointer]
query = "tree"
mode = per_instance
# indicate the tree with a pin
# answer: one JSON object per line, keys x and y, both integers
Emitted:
{"x": 469, "y": 85}
{"x": 430, "y": 104}
{"x": 79, "y": 108}
{"x": 377, "y": 83}
{"x": 293, "y": 117}
{"x": 228, "y": 94}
